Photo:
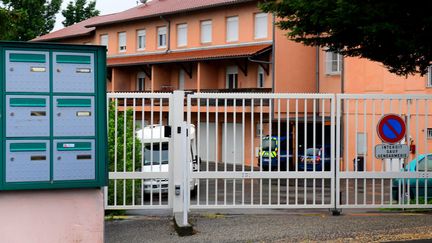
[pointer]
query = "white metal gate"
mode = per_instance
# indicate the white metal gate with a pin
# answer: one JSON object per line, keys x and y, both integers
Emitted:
{"x": 256, "y": 176}
{"x": 296, "y": 151}
{"x": 138, "y": 168}
{"x": 366, "y": 182}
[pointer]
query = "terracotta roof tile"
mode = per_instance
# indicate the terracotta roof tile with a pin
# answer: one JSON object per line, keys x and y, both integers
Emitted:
{"x": 151, "y": 9}
{"x": 193, "y": 55}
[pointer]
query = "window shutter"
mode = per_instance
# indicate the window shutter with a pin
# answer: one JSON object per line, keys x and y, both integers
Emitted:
{"x": 429, "y": 77}
{"x": 328, "y": 62}
{"x": 182, "y": 35}
{"x": 232, "y": 29}
{"x": 261, "y": 25}
{"x": 206, "y": 31}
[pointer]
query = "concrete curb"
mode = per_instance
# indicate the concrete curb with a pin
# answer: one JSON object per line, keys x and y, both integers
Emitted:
{"x": 182, "y": 230}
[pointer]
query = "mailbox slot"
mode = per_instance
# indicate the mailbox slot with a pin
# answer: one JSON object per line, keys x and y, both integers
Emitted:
{"x": 27, "y": 161}
{"x": 73, "y": 72}
{"x": 74, "y": 160}
{"x": 74, "y": 116}
{"x": 27, "y": 71}
{"x": 27, "y": 116}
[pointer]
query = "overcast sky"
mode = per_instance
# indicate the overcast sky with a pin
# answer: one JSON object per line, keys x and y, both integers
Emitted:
{"x": 104, "y": 6}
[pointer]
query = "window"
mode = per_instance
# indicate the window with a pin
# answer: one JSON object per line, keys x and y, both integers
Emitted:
{"x": 140, "y": 85}
{"x": 104, "y": 40}
{"x": 182, "y": 35}
{"x": 333, "y": 63}
{"x": 429, "y": 133}
{"x": 232, "y": 77}
{"x": 232, "y": 29}
{"x": 141, "y": 39}
{"x": 261, "y": 25}
{"x": 122, "y": 41}
{"x": 162, "y": 37}
{"x": 260, "y": 80}
{"x": 429, "y": 77}
{"x": 206, "y": 31}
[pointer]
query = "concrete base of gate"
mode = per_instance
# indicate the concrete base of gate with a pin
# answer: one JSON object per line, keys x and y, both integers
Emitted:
{"x": 75, "y": 215}
{"x": 181, "y": 229}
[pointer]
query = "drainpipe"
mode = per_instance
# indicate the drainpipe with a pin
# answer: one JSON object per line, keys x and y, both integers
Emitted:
{"x": 168, "y": 33}
{"x": 273, "y": 54}
{"x": 317, "y": 72}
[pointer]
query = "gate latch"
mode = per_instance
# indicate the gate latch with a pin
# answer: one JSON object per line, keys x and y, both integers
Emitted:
{"x": 167, "y": 131}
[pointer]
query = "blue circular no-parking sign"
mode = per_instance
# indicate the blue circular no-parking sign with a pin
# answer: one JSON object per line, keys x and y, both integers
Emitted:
{"x": 391, "y": 128}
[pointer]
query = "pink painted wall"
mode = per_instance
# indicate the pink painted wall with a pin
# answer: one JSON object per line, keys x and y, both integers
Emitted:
{"x": 52, "y": 216}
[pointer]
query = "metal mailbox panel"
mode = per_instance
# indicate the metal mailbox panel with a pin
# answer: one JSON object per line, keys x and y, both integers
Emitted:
{"x": 74, "y": 160}
{"x": 27, "y": 71}
{"x": 73, "y": 72}
{"x": 74, "y": 116}
{"x": 27, "y": 160}
{"x": 27, "y": 116}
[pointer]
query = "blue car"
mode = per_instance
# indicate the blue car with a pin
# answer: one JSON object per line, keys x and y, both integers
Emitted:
{"x": 317, "y": 157}
{"x": 274, "y": 152}
{"x": 424, "y": 163}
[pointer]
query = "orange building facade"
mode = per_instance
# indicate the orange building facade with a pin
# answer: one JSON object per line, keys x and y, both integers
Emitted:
{"x": 225, "y": 46}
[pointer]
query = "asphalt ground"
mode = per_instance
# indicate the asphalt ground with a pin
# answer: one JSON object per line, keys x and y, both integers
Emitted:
{"x": 275, "y": 226}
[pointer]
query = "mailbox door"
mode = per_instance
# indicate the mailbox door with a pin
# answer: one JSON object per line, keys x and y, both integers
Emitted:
{"x": 74, "y": 116}
{"x": 27, "y": 116}
{"x": 27, "y": 71}
{"x": 27, "y": 160}
{"x": 73, "y": 72}
{"x": 74, "y": 160}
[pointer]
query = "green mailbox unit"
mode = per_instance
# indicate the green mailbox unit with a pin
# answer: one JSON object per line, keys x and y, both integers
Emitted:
{"x": 53, "y": 126}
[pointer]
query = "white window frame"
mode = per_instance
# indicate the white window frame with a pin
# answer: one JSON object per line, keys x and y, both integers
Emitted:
{"x": 206, "y": 34}
{"x": 261, "y": 73}
{"x": 429, "y": 77}
{"x": 141, "y": 39}
{"x": 330, "y": 60}
{"x": 122, "y": 40}
{"x": 261, "y": 28}
{"x": 162, "y": 33}
{"x": 232, "y": 29}
{"x": 182, "y": 35}
{"x": 104, "y": 40}
{"x": 231, "y": 70}
{"x": 429, "y": 133}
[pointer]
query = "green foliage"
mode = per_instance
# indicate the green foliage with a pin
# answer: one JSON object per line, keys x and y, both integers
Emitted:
{"x": 23, "y": 20}
{"x": 397, "y": 34}
{"x": 78, "y": 11}
{"x": 121, "y": 146}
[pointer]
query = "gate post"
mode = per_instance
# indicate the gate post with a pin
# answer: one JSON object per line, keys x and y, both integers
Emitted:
{"x": 179, "y": 186}
{"x": 337, "y": 146}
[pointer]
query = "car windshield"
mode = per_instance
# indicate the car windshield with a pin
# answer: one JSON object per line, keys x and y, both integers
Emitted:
{"x": 312, "y": 152}
{"x": 268, "y": 144}
{"x": 156, "y": 156}
{"x": 425, "y": 163}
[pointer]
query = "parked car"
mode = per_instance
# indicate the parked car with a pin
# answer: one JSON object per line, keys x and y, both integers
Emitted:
{"x": 273, "y": 152}
{"x": 318, "y": 156}
{"x": 156, "y": 157}
{"x": 424, "y": 163}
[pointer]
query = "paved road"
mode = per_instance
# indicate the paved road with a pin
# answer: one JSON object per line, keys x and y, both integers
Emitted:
{"x": 276, "y": 226}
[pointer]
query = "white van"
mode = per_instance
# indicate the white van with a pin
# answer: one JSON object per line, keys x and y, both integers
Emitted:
{"x": 156, "y": 157}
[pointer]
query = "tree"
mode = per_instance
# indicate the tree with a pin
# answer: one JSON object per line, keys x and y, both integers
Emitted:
{"x": 25, "y": 19}
{"x": 75, "y": 13}
{"x": 397, "y": 34}
{"x": 125, "y": 158}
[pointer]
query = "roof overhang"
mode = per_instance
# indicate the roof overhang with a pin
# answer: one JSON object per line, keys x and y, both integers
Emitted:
{"x": 190, "y": 56}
